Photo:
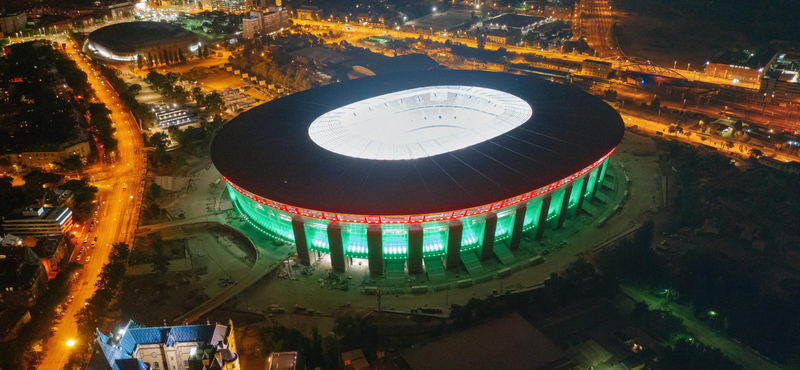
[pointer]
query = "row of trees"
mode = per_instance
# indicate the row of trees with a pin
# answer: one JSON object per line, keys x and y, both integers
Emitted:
{"x": 213, "y": 102}
{"x": 99, "y": 305}
{"x": 127, "y": 93}
{"x": 294, "y": 77}
{"x": 349, "y": 333}
{"x": 100, "y": 126}
{"x": 15, "y": 354}
{"x": 165, "y": 84}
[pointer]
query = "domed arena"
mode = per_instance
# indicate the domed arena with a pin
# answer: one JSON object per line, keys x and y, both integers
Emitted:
{"x": 423, "y": 170}
{"x": 125, "y": 42}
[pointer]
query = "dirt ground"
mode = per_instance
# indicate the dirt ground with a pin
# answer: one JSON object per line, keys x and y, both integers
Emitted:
{"x": 216, "y": 261}
{"x": 666, "y": 41}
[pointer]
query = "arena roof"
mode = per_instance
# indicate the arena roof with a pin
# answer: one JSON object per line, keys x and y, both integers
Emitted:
{"x": 268, "y": 150}
{"x": 131, "y": 36}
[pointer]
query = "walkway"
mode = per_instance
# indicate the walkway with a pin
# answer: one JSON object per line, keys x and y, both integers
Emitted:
{"x": 739, "y": 353}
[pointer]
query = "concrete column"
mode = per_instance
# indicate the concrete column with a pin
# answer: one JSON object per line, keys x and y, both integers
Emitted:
{"x": 519, "y": 220}
{"x": 583, "y": 192}
{"x": 375, "y": 247}
{"x": 336, "y": 247}
{"x": 299, "y": 230}
{"x": 415, "y": 249}
{"x": 488, "y": 236}
{"x": 542, "y": 224}
{"x": 564, "y": 206}
{"x": 454, "y": 245}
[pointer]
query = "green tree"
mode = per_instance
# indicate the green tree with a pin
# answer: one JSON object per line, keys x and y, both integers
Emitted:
{"x": 135, "y": 89}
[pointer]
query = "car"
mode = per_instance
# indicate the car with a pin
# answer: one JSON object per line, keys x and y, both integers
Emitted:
{"x": 88, "y": 258}
{"x": 54, "y": 329}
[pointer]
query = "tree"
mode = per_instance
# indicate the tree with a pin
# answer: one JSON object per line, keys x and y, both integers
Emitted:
{"x": 161, "y": 262}
{"x": 159, "y": 140}
{"x": 155, "y": 191}
{"x": 139, "y": 61}
{"x": 655, "y": 104}
{"x": 135, "y": 89}
{"x": 214, "y": 103}
{"x": 738, "y": 126}
{"x": 11, "y": 197}
{"x": 73, "y": 163}
{"x": 685, "y": 355}
{"x": 83, "y": 195}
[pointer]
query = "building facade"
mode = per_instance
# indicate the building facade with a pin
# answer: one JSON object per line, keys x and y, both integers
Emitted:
{"x": 437, "y": 239}
{"x": 264, "y": 23}
{"x": 309, "y": 13}
{"x": 13, "y": 22}
{"x": 596, "y": 68}
{"x": 22, "y": 276}
{"x": 48, "y": 156}
{"x": 39, "y": 221}
{"x": 186, "y": 347}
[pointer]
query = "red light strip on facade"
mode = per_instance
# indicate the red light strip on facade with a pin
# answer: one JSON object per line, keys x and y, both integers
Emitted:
{"x": 403, "y": 219}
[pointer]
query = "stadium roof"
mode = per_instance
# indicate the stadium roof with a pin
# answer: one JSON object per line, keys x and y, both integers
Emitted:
{"x": 269, "y": 152}
{"x": 131, "y": 36}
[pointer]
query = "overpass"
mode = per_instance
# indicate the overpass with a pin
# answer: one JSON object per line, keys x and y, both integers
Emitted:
{"x": 266, "y": 260}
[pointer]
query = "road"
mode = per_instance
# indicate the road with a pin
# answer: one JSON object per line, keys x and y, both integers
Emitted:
{"x": 354, "y": 32}
{"x": 597, "y": 27}
{"x": 739, "y": 149}
{"x": 116, "y": 219}
{"x": 739, "y": 353}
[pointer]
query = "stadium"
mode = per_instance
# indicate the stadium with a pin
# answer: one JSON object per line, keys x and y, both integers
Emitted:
{"x": 125, "y": 42}
{"x": 423, "y": 170}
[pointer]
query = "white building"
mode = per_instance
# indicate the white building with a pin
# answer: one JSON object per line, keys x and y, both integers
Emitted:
{"x": 264, "y": 23}
{"x": 40, "y": 221}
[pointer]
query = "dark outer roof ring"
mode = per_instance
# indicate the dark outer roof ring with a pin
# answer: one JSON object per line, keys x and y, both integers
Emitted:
{"x": 267, "y": 150}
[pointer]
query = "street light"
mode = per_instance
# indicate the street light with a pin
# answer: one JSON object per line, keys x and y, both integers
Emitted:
{"x": 70, "y": 343}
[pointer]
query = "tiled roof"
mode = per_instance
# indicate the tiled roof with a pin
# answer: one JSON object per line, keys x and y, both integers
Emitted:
{"x": 117, "y": 353}
{"x": 132, "y": 364}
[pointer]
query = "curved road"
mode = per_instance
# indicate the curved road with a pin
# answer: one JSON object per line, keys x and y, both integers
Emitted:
{"x": 117, "y": 218}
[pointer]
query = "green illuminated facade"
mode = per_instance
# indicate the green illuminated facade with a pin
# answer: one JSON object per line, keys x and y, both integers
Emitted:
{"x": 497, "y": 227}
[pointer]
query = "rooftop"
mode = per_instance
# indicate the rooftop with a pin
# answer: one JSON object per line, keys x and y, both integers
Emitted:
{"x": 42, "y": 213}
{"x": 128, "y": 37}
{"x": 269, "y": 152}
{"x": 116, "y": 350}
{"x": 282, "y": 361}
{"x": 513, "y": 21}
{"x": 509, "y": 343}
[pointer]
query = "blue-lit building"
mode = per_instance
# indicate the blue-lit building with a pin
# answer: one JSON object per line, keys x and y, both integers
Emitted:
{"x": 185, "y": 347}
